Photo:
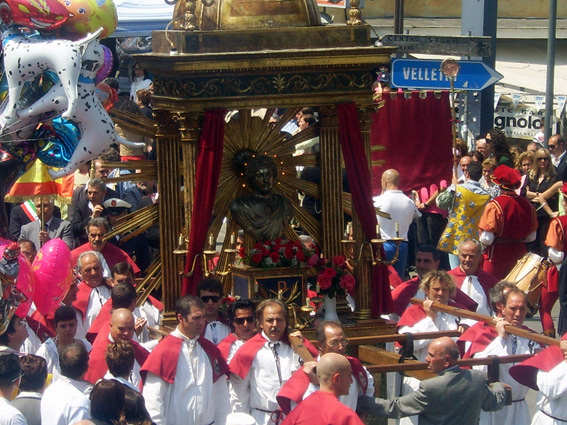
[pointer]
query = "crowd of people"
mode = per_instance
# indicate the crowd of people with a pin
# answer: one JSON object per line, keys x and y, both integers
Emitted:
{"x": 100, "y": 356}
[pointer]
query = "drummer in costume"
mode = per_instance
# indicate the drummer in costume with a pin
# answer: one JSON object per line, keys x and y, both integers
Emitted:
{"x": 557, "y": 248}
{"x": 546, "y": 373}
{"x": 508, "y": 222}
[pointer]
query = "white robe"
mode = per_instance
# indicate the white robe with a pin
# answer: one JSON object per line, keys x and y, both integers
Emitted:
{"x": 517, "y": 413}
{"x": 552, "y": 396}
{"x": 472, "y": 287}
{"x": 97, "y": 298}
{"x": 192, "y": 399}
{"x": 48, "y": 350}
{"x": 216, "y": 331}
{"x": 65, "y": 402}
{"x": 256, "y": 393}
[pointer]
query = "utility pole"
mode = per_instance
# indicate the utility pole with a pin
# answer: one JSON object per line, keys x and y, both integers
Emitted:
{"x": 479, "y": 18}
{"x": 548, "y": 124}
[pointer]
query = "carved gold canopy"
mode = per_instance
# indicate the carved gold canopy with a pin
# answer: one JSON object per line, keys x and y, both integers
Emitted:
{"x": 243, "y": 55}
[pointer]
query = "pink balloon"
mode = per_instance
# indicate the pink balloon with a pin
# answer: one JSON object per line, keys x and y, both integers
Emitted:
{"x": 25, "y": 282}
{"x": 53, "y": 274}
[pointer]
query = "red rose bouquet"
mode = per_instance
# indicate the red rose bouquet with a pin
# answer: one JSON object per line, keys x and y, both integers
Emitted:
{"x": 279, "y": 253}
{"x": 334, "y": 278}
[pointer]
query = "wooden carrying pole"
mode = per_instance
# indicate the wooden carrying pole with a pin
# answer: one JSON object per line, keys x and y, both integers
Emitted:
{"x": 514, "y": 330}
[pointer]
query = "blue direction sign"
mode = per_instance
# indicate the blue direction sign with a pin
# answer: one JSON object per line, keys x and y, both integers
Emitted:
{"x": 426, "y": 74}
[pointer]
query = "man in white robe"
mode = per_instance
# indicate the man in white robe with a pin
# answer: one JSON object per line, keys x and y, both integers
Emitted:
{"x": 184, "y": 378}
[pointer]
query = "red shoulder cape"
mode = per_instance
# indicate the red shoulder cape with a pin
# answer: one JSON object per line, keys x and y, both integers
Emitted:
{"x": 480, "y": 338}
{"x": 111, "y": 253}
{"x": 416, "y": 313}
{"x": 225, "y": 344}
{"x": 402, "y": 294}
{"x": 486, "y": 280}
{"x": 100, "y": 321}
{"x": 295, "y": 387}
{"x": 40, "y": 326}
{"x": 164, "y": 357}
{"x": 242, "y": 360}
{"x": 97, "y": 363}
{"x": 526, "y": 372}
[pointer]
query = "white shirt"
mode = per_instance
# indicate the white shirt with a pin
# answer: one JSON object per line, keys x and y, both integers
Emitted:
{"x": 517, "y": 413}
{"x": 97, "y": 298}
{"x": 9, "y": 415}
{"x": 256, "y": 394}
{"x": 48, "y": 350}
{"x": 123, "y": 381}
{"x": 233, "y": 349}
{"x": 64, "y": 402}
{"x": 192, "y": 398}
{"x": 153, "y": 317}
{"x": 216, "y": 331}
{"x": 472, "y": 287}
{"x": 552, "y": 396}
{"x": 402, "y": 210}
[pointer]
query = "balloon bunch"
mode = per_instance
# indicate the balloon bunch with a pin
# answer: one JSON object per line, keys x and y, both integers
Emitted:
{"x": 45, "y": 283}
{"x": 45, "y": 44}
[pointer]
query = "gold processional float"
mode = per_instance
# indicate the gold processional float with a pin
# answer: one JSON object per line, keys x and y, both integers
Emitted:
{"x": 251, "y": 57}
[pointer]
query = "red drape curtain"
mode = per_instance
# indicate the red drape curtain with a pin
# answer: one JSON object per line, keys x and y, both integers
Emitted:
{"x": 416, "y": 133}
{"x": 358, "y": 176}
{"x": 206, "y": 182}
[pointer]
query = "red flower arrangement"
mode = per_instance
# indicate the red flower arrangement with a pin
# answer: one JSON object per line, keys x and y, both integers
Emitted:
{"x": 279, "y": 253}
{"x": 334, "y": 277}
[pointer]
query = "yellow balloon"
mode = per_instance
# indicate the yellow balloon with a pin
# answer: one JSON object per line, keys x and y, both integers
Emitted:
{"x": 87, "y": 16}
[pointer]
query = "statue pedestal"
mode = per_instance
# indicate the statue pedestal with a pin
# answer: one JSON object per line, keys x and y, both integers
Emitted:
{"x": 251, "y": 282}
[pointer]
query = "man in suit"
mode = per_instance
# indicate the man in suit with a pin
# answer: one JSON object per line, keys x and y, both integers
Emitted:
{"x": 455, "y": 396}
{"x": 86, "y": 209}
{"x": 39, "y": 232}
{"x": 21, "y": 215}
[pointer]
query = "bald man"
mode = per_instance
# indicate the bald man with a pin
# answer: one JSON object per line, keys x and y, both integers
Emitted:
{"x": 323, "y": 407}
{"x": 402, "y": 211}
{"x": 455, "y": 396}
{"x": 122, "y": 326}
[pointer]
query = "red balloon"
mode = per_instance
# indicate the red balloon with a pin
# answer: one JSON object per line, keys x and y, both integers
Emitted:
{"x": 53, "y": 274}
{"x": 25, "y": 282}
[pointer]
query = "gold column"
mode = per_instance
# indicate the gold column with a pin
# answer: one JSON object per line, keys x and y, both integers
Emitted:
{"x": 331, "y": 182}
{"x": 170, "y": 209}
{"x": 363, "y": 269}
{"x": 190, "y": 130}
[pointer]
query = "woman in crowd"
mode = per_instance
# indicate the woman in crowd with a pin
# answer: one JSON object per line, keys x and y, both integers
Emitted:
{"x": 540, "y": 178}
{"x": 500, "y": 147}
{"x": 488, "y": 167}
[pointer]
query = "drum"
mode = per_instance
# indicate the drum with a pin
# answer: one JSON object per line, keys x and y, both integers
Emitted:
{"x": 529, "y": 274}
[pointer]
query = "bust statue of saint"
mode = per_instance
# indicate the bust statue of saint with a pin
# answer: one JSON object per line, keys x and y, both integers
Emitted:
{"x": 262, "y": 214}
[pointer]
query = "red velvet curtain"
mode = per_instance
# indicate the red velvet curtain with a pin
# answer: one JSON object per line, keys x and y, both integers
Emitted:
{"x": 358, "y": 176}
{"x": 207, "y": 178}
{"x": 416, "y": 133}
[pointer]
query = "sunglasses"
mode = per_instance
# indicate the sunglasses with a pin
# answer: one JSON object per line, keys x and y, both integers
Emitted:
{"x": 551, "y": 146}
{"x": 213, "y": 298}
{"x": 241, "y": 320}
{"x": 543, "y": 159}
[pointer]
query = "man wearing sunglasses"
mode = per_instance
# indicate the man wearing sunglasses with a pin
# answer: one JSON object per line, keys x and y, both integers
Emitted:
{"x": 210, "y": 291}
{"x": 241, "y": 317}
{"x": 331, "y": 338}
